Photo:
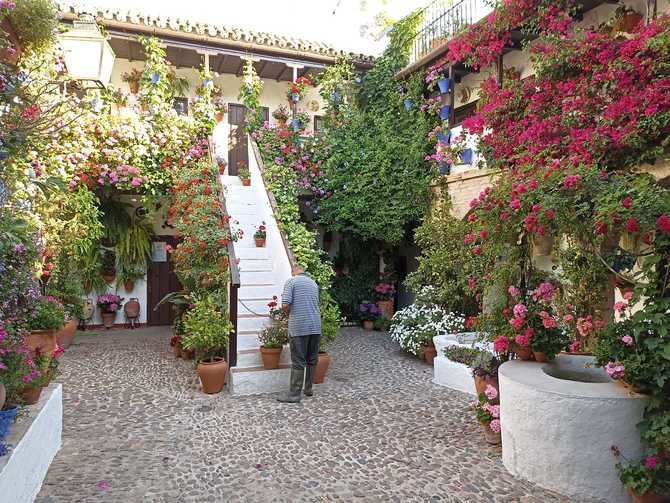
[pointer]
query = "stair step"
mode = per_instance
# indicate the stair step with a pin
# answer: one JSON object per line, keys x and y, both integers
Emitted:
{"x": 247, "y": 341}
{"x": 256, "y": 278}
{"x": 251, "y": 324}
{"x": 250, "y": 358}
{"x": 249, "y": 265}
{"x": 253, "y": 306}
{"x": 253, "y": 253}
{"x": 258, "y": 380}
{"x": 259, "y": 291}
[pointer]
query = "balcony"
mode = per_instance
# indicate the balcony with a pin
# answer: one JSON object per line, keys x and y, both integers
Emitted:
{"x": 442, "y": 19}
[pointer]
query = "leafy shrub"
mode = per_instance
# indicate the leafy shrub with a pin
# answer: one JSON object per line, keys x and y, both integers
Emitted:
{"x": 463, "y": 354}
{"x": 382, "y": 324}
{"x": 274, "y": 336}
{"x": 48, "y": 314}
{"x": 331, "y": 320}
{"x": 35, "y": 22}
{"x": 206, "y": 329}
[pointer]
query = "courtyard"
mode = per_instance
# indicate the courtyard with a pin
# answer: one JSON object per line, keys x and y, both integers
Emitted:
{"x": 136, "y": 428}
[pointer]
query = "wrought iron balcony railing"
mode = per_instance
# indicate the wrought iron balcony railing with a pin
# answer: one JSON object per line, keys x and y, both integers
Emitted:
{"x": 442, "y": 19}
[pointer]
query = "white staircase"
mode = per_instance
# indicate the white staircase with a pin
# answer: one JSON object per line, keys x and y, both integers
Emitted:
{"x": 263, "y": 272}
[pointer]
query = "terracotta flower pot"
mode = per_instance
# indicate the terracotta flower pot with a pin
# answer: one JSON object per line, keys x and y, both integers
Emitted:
{"x": 368, "y": 325}
{"x": 108, "y": 319}
{"x": 321, "y": 368}
{"x": 386, "y": 308}
{"x": 540, "y": 357}
{"x": 542, "y": 244}
{"x": 246, "y": 181}
{"x": 132, "y": 308}
{"x": 270, "y": 357}
{"x": 646, "y": 498}
{"x": 481, "y": 382}
{"x": 3, "y": 395}
{"x": 429, "y": 353}
{"x": 491, "y": 436}
{"x": 219, "y": 116}
{"x": 65, "y": 335}
{"x": 187, "y": 355}
{"x": 44, "y": 340}
{"x": 523, "y": 352}
{"x": 128, "y": 285}
{"x": 630, "y": 20}
{"x": 134, "y": 86}
{"x": 213, "y": 375}
{"x": 108, "y": 276}
{"x": 260, "y": 242}
{"x": 177, "y": 350}
{"x": 32, "y": 396}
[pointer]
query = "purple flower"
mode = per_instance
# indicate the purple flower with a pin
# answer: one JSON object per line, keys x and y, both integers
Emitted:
{"x": 19, "y": 248}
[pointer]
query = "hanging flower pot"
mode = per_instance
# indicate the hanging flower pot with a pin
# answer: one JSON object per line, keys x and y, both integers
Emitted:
{"x": 409, "y": 104}
{"x": 445, "y": 168}
{"x": 134, "y": 86}
{"x": 444, "y": 112}
{"x": 542, "y": 244}
{"x": 219, "y": 116}
{"x": 444, "y": 85}
{"x": 7, "y": 417}
{"x": 444, "y": 138}
{"x": 128, "y": 285}
{"x": 295, "y": 124}
{"x": 467, "y": 155}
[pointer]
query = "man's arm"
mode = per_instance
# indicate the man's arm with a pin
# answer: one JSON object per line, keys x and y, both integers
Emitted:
{"x": 287, "y": 296}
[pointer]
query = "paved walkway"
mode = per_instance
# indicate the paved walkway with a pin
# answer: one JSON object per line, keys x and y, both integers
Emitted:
{"x": 136, "y": 429}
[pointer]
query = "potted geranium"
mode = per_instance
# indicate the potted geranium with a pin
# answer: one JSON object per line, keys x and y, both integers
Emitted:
{"x": 243, "y": 173}
{"x": 260, "y": 235}
{"x": 485, "y": 371}
{"x": 296, "y": 90}
{"x": 109, "y": 304}
{"x": 488, "y": 415}
{"x": 44, "y": 321}
{"x": 369, "y": 312}
{"x": 220, "y": 108}
{"x": 274, "y": 337}
{"x": 206, "y": 331}
{"x": 647, "y": 480}
{"x": 281, "y": 115}
{"x": 46, "y": 370}
{"x": 133, "y": 79}
{"x": 384, "y": 292}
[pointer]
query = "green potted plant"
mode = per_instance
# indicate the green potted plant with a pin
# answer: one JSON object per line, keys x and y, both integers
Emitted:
{"x": 206, "y": 331}
{"x": 274, "y": 337}
{"x": 45, "y": 319}
{"x": 330, "y": 327}
{"x": 109, "y": 304}
{"x": 281, "y": 115}
{"x": 46, "y": 371}
{"x": 243, "y": 173}
{"x": 108, "y": 266}
{"x": 369, "y": 312}
{"x": 487, "y": 412}
{"x": 260, "y": 235}
{"x": 647, "y": 480}
{"x": 133, "y": 79}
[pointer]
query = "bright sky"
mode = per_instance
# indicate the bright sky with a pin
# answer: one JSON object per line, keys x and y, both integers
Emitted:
{"x": 337, "y": 22}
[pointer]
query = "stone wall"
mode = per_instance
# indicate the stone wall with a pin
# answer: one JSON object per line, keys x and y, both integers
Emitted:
{"x": 463, "y": 188}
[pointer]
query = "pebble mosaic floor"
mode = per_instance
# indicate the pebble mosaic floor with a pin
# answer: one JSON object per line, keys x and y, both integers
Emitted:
{"x": 137, "y": 429}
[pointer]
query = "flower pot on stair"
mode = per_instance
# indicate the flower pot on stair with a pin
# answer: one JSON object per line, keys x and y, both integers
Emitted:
{"x": 270, "y": 357}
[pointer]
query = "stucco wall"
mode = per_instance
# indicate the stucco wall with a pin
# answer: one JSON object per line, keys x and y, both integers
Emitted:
{"x": 463, "y": 188}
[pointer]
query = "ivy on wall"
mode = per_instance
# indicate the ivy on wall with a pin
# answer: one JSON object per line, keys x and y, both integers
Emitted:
{"x": 377, "y": 178}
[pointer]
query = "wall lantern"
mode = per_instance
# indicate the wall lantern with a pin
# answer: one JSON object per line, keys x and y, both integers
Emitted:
{"x": 88, "y": 55}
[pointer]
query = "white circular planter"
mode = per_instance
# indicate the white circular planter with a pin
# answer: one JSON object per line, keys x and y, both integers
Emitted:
{"x": 452, "y": 374}
{"x": 559, "y": 422}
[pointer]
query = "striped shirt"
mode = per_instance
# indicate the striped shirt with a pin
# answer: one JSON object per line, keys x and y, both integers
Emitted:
{"x": 302, "y": 294}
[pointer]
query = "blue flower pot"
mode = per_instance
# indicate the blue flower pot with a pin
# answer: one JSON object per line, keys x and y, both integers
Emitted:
{"x": 444, "y": 138}
{"x": 7, "y": 417}
{"x": 295, "y": 124}
{"x": 295, "y": 97}
{"x": 443, "y": 84}
{"x": 445, "y": 168}
{"x": 409, "y": 104}
{"x": 467, "y": 156}
{"x": 444, "y": 112}
{"x": 155, "y": 78}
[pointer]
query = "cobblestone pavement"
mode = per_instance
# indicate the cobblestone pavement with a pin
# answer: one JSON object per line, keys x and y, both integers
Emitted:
{"x": 137, "y": 429}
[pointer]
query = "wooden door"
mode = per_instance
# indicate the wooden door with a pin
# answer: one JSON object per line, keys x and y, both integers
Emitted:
{"x": 161, "y": 280}
{"x": 238, "y": 148}
{"x": 237, "y": 141}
